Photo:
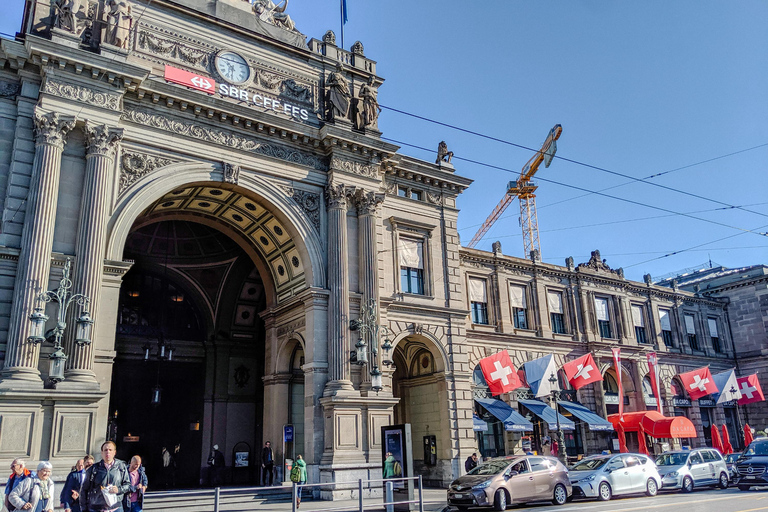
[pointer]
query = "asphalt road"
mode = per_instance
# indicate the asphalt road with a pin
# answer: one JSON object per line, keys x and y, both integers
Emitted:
{"x": 715, "y": 500}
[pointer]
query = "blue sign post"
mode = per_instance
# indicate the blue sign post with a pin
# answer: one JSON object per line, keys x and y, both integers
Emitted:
{"x": 287, "y": 433}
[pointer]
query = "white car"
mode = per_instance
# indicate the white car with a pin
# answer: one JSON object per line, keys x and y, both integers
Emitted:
{"x": 685, "y": 470}
{"x": 605, "y": 476}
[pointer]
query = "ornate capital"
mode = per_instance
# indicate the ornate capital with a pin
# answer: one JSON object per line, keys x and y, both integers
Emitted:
{"x": 337, "y": 196}
{"x": 101, "y": 139}
{"x": 367, "y": 201}
{"x": 231, "y": 172}
{"x": 52, "y": 129}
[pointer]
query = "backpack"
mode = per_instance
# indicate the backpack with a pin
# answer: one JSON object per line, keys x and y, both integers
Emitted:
{"x": 397, "y": 468}
{"x": 296, "y": 474}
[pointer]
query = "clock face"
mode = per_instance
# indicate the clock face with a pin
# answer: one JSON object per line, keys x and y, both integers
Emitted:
{"x": 232, "y": 67}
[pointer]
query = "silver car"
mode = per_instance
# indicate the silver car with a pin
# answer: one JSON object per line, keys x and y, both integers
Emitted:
{"x": 605, "y": 476}
{"x": 687, "y": 469}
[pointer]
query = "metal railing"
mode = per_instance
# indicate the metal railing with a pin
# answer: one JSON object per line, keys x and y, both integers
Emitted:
{"x": 364, "y": 495}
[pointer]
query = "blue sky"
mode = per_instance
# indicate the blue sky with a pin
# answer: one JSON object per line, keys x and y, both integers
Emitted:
{"x": 640, "y": 88}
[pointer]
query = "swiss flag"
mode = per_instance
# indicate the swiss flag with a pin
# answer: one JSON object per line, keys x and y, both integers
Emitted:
{"x": 698, "y": 383}
{"x": 499, "y": 373}
{"x": 582, "y": 371}
{"x": 750, "y": 389}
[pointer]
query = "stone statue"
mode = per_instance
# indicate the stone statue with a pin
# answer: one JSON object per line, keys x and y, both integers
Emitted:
{"x": 66, "y": 15}
{"x": 338, "y": 94}
{"x": 443, "y": 155}
{"x": 119, "y": 22}
{"x": 368, "y": 107}
{"x": 273, "y": 13}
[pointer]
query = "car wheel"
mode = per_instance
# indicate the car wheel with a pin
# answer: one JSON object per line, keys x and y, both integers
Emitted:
{"x": 687, "y": 484}
{"x": 723, "y": 483}
{"x": 560, "y": 495}
{"x": 500, "y": 500}
{"x": 744, "y": 487}
{"x": 651, "y": 487}
{"x": 604, "y": 491}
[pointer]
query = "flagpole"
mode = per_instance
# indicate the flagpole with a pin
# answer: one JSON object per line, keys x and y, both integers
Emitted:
{"x": 341, "y": 7}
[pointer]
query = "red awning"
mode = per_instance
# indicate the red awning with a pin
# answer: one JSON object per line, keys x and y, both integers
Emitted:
{"x": 655, "y": 425}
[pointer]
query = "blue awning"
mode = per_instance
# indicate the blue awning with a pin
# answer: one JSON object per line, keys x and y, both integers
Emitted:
{"x": 547, "y": 414}
{"x": 511, "y": 419}
{"x": 593, "y": 421}
{"x": 478, "y": 425}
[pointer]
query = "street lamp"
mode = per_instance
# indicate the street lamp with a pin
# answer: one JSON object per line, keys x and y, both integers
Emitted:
{"x": 560, "y": 440}
{"x": 64, "y": 298}
{"x": 366, "y": 324}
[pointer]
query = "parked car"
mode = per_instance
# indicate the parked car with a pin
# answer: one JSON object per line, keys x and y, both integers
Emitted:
{"x": 605, "y": 476}
{"x": 730, "y": 461}
{"x": 700, "y": 467}
{"x": 506, "y": 480}
{"x": 751, "y": 466}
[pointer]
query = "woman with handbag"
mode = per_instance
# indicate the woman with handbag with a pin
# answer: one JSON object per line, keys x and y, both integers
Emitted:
{"x": 35, "y": 494}
{"x": 105, "y": 483}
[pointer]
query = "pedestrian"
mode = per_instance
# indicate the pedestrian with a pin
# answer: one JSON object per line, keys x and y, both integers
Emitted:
{"x": 34, "y": 494}
{"x": 302, "y": 477}
{"x": 546, "y": 446}
{"x": 389, "y": 466}
{"x": 134, "y": 499}
{"x": 470, "y": 463}
{"x": 18, "y": 475}
{"x": 215, "y": 465}
{"x": 169, "y": 468}
{"x": 555, "y": 448}
{"x": 105, "y": 482}
{"x": 267, "y": 464}
{"x": 70, "y": 493}
{"x": 88, "y": 461}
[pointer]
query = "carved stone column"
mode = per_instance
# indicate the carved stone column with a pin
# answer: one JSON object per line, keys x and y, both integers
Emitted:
{"x": 34, "y": 264}
{"x": 367, "y": 204}
{"x": 102, "y": 144}
{"x": 338, "y": 285}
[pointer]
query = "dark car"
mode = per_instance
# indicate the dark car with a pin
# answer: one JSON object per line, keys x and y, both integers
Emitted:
{"x": 751, "y": 466}
{"x": 730, "y": 461}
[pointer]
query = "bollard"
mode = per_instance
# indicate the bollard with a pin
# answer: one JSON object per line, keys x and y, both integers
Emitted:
{"x": 216, "y": 494}
{"x": 360, "y": 494}
{"x": 389, "y": 497}
{"x": 293, "y": 496}
{"x": 421, "y": 496}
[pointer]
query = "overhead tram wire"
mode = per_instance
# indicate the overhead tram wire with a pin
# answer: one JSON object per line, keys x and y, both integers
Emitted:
{"x": 539, "y": 178}
{"x": 584, "y": 164}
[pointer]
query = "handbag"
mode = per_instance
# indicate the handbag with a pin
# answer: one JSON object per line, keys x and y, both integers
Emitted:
{"x": 110, "y": 499}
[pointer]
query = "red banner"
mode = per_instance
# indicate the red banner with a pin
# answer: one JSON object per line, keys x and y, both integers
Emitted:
{"x": 191, "y": 80}
{"x": 582, "y": 371}
{"x": 499, "y": 373}
{"x": 617, "y": 367}
{"x": 653, "y": 374}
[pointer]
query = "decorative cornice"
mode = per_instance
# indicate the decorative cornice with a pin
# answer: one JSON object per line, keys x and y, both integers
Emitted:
{"x": 367, "y": 170}
{"x": 109, "y": 101}
{"x": 52, "y": 129}
{"x": 308, "y": 202}
{"x": 134, "y": 166}
{"x": 229, "y": 139}
{"x": 102, "y": 139}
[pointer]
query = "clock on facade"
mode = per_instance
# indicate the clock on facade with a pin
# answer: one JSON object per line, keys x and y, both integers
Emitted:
{"x": 232, "y": 67}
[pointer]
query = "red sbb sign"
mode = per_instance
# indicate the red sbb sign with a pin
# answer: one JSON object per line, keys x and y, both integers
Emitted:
{"x": 191, "y": 80}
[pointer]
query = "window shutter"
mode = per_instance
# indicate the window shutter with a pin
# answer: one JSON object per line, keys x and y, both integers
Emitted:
{"x": 517, "y": 296}
{"x": 712, "y": 327}
{"x": 555, "y": 301}
{"x": 601, "y": 308}
{"x": 477, "y": 291}
{"x": 637, "y": 316}
{"x": 666, "y": 325}
{"x": 689, "y": 325}
{"x": 411, "y": 253}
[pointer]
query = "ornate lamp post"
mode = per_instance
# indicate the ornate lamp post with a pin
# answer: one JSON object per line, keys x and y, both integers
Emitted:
{"x": 366, "y": 323}
{"x": 560, "y": 439}
{"x": 64, "y": 298}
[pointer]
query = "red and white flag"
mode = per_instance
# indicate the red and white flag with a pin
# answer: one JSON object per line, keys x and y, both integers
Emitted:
{"x": 698, "y": 383}
{"x": 617, "y": 367}
{"x": 499, "y": 373}
{"x": 653, "y": 371}
{"x": 750, "y": 389}
{"x": 582, "y": 371}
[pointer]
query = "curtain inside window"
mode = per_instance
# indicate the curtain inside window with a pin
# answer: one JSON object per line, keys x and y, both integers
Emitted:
{"x": 477, "y": 291}
{"x": 517, "y": 296}
{"x": 555, "y": 302}
{"x": 712, "y": 327}
{"x": 411, "y": 253}
{"x": 601, "y": 308}
{"x": 666, "y": 325}
{"x": 689, "y": 326}
{"x": 637, "y": 316}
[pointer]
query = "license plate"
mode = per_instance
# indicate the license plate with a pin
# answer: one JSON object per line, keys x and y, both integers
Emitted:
{"x": 458, "y": 496}
{"x": 749, "y": 477}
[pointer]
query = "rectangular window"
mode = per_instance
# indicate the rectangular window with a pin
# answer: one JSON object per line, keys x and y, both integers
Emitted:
{"x": 603, "y": 320}
{"x": 411, "y": 254}
{"x": 402, "y": 191}
{"x": 416, "y": 194}
{"x": 712, "y": 322}
{"x": 556, "y": 314}
{"x": 519, "y": 306}
{"x": 638, "y": 319}
{"x": 666, "y": 326}
{"x": 478, "y": 300}
{"x": 690, "y": 330}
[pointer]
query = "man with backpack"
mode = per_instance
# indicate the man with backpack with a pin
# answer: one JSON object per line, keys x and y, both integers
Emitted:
{"x": 105, "y": 483}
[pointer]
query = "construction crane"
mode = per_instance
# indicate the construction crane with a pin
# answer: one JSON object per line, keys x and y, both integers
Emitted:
{"x": 524, "y": 188}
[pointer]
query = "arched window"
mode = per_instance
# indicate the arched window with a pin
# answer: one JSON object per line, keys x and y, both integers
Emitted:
{"x": 676, "y": 388}
{"x": 609, "y": 384}
{"x": 521, "y": 376}
{"x": 478, "y": 379}
{"x": 563, "y": 380}
{"x": 647, "y": 388}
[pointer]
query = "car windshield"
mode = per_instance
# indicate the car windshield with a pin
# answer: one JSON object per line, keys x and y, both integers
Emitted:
{"x": 732, "y": 457}
{"x": 671, "y": 459}
{"x": 493, "y": 467}
{"x": 590, "y": 464}
{"x": 760, "y": 448}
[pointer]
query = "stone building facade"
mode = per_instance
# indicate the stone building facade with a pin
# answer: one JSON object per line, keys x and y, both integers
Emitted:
{"x": 222, "y": 191}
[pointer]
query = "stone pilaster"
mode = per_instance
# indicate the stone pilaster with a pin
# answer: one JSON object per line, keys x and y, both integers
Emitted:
{"x": 339, "y": 371}
{"x": 36, "y": 244}
{"x": 102, "y": 144}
